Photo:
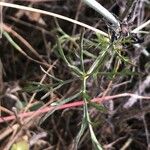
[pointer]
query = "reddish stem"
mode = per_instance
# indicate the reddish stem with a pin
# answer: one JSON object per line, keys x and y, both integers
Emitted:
{"x": 44, "y": 110}
{"x": 69, "y": 105}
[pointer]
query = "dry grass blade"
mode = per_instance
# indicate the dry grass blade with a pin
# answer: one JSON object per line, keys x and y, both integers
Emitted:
{"x": 10, "y": 30}
{"x": 41, "y": 81}
{"x": 17, "y": 47}
{"x": 136, "y": 30}
{"x": 54, "y": 15}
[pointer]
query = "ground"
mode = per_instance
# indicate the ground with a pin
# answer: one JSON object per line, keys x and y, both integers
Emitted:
{"x": 64, "y": 86}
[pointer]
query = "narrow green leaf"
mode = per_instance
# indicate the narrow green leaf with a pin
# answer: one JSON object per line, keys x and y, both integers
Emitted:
{"x": 76, "y": 70}
{"x": 84, "y": 126}
{"x": 97, "y": 62}
{"x": 57, "y": 104}
{"x": 97, "y": 106}
{"x": 81, "y": 51}
{"x": 13, "y": 43}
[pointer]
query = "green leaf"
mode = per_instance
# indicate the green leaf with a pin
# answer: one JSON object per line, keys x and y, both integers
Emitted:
{"x": 76, "y": 70}
{"x": 84, "y": 125}
{"x": 57, "y": 104}
{"x": 97, "y": 63}
{"x": 95, "y": 142}
{"x": 99, "y": 107}
{"x": 36, "y": 106}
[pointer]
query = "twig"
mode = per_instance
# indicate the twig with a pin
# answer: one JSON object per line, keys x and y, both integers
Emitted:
{"x": 141, "y": 27}
{"x": 69, "y": 105}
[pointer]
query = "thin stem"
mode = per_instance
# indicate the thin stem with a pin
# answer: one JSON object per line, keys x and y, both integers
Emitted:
{"x": 54, "y": 15}
{"x": 70, "y": 105}
{"x": 81, "y": 51}
{"x": 141, "y": 27}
